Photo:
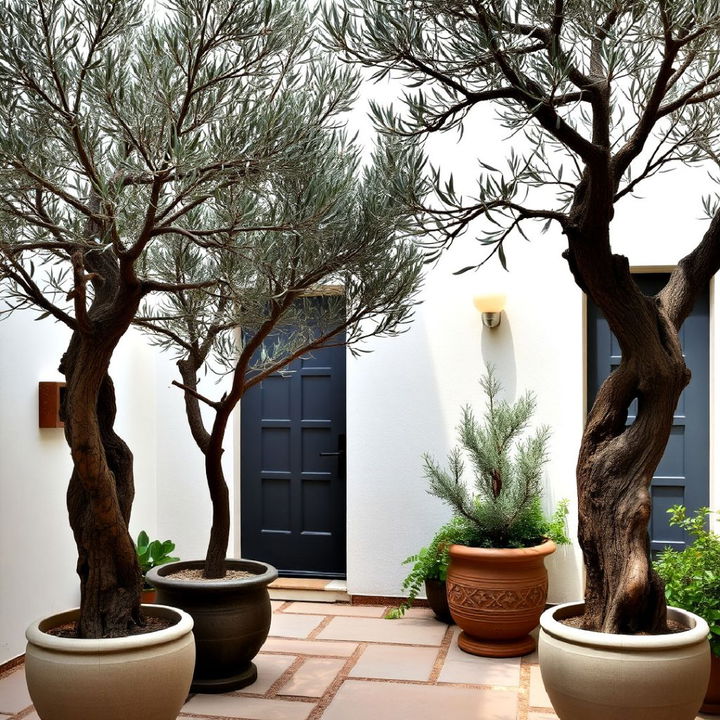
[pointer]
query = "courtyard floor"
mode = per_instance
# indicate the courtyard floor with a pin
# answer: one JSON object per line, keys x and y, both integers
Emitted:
{"x": 345, "y": 662}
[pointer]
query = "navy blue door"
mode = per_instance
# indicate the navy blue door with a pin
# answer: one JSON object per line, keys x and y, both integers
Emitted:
{"x": 293, "y": 467}
{"x": 682, "y": 477}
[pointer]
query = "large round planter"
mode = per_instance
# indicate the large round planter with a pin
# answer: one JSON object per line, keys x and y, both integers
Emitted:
{"x": 141, "y": 676}
{"x": 496, "y": 596}
{"x": 232, "y": 620}
{"x": 596, "y": 676}
{"x": 711, "y": 704}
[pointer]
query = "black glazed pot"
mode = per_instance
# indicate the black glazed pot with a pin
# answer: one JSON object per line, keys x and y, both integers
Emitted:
{"x": 232, "y": 620}
{"x": 436, "y": 591}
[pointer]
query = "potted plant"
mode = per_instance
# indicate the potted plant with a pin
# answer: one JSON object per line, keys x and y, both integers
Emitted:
{"x": 327, "y": 262}
{"x": 429, "y": 570}
{"x": 692, "y": 582}
{"x": 496, "y": 580}
{"x": 603, "y": 99}
{"x": 151, "y": 554}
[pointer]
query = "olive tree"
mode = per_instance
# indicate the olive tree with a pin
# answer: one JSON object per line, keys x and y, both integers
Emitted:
{"x": 324, "y": 226}
{"x": 608, "y": 93}
{"x": 120, "y": 125}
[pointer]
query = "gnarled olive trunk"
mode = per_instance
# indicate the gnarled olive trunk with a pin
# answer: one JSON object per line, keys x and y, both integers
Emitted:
{"x": 100, "y": 494}
{"x": 615, "y": 468}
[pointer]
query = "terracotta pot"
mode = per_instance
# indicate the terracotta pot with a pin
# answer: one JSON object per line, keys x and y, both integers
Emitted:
{"x": 497, "y": 596}
{"x": 436, "y": 592}
{"x": 232, "y": 620}
{"x": 148, "y": 596}
{"x": 597, "y": 676}
{"x": 113, "y": 678}
{"x": 711, "y": 705}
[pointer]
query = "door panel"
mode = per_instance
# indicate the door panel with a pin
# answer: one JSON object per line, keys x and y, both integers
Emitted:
{"x": 682, "y": 477}
{"x": 293, "y": 467}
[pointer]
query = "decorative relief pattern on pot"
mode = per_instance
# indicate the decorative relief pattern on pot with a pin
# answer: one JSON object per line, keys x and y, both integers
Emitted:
{"x": 496, "y": 599}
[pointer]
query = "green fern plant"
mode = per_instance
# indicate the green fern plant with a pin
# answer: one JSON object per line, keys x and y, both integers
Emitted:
{"x": 504, "y": 509}
{"x": 431, "y": 562}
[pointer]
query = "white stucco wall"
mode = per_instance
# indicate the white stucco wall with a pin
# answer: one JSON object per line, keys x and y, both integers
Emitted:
{"x": 403, "y": 399}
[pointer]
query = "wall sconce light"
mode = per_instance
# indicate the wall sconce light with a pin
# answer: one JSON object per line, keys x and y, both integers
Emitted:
{"x": 491, "y": 307}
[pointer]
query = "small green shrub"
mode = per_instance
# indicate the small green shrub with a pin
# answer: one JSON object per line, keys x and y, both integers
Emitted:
{"x": 692, "y": 575}
{"x": 504, "y": 511}
{"x": 152, "y": 553}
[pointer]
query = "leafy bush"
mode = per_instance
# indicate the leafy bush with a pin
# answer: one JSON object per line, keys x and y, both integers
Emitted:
{"x": 692, "y": 575}
{"x": 505, "y": 509}
{"x": 151, "y": 554}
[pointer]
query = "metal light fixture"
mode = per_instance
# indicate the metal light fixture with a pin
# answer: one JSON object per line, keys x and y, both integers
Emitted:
{"x": 491, "y": 306}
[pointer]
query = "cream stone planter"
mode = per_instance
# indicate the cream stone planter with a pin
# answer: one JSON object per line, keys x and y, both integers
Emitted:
{"x": 599, "y": 676}
{"x": 141, "y": 676}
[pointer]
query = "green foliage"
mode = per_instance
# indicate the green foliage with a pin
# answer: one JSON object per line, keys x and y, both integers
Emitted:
{"x": 431, "y": 562}
{"x": 153, "y": 553}
{"x": 505, "y": 509}
{"x": 692, "y": 575}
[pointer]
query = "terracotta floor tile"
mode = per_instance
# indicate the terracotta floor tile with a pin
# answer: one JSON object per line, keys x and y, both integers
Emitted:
{"x": 310, "y": 608}
{"x": 358, "y": 700}
{"x": 408, "y": 631}
{"x": 299, "y": 583}
{"x": 233, "y": 706}
{"x": 309, "y": 647}
{"x": 14, "y": 695}
{"x": 293, "y": 626}
{"x": 538, "y": 696}
{"x": 461, "y": 667}
{"x": 396, "y": 662}
{"x": 419, "y": 612}
{"x": 270, "y": 668}
{"x": 313, "y": 677}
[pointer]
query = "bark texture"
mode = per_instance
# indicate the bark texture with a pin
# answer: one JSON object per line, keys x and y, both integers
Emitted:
{"x": 101, "y": 489}
{"x": 616, "y": 463}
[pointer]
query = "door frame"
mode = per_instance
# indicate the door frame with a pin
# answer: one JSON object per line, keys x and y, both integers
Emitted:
{"x": 235, "y": 487}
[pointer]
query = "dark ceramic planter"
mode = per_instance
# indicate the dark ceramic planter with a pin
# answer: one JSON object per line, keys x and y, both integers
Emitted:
{"x": 232, "y": 620}
{"x": 436, "y": 591}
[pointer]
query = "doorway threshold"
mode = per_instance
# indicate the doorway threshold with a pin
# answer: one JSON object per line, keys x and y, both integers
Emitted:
{"x": 309, "y": 589}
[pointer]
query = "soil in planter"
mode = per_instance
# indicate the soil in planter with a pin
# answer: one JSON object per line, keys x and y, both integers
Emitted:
{"x": 152, "y": 624}
{"x": 673, "y": 625}
{"x": 196, "y": 574}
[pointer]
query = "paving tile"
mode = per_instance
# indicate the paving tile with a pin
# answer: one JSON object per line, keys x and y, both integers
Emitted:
{"x": 358, "y": 700}
{"x": 419, "y": 612}
{"x": 309, "y": 647}
{"x": 275, "y": 604}
{"x": 14, "y": 695}
{"x": 293, "y": 626}
{"x": 232, "y": 706}
{"x": 395, "y": 662}
{"x": 313, "y": 677}
{"x": 538, "y": 696}
{"x": 310, "y": 608}
{"x": 4, "y": 717}
{"x": 300, "y": 583}
{"x": 461, "y": 667}
{"x": 542, "y": 716}
{"x": 32, "y": 716}
{"x": 270, "y": 668}
{"x": 408, "y": 631}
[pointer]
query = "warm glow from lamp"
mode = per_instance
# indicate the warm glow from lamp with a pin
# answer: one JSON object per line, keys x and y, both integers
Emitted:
{"x": 491, "y": 306}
